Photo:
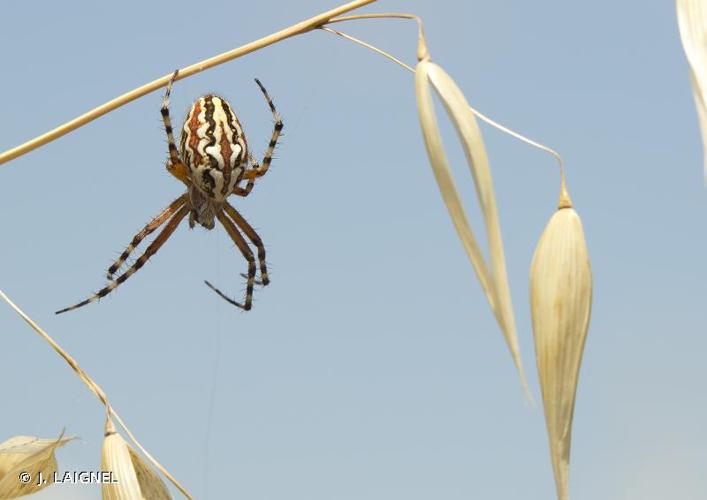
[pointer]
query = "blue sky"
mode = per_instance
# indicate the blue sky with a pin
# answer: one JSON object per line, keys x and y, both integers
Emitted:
{"x": 371, "y": 367}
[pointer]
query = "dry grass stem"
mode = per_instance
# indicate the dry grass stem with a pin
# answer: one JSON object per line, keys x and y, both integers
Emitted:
{"x": 67, "y": 357}
{"x": 92, "y": 386}
{"x": 297, "y": 29}
{"x": 28, "y": 455}
{"x": 368, "y": 46}
{"x": 692, "y": 21}
{"x": 422, "y": 52}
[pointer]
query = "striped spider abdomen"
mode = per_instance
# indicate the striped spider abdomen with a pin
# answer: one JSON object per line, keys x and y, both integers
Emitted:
{"x": 214, "y": 149}
{"x": 213, "y": 146}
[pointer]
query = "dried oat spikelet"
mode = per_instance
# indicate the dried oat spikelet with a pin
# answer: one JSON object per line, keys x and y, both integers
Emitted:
{"x": 100, "y": 394}
{"x": 27, "y": 455}
{"x": 133, "y": 478}
{"x": 692, "y": 21}
{"x": 494, "y": 281}
{"x": 560, "y": 304}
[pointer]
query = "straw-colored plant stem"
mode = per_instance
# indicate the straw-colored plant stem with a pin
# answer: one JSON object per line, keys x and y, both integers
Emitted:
{"x": 93, "y": 387}
{"x": 297, "y": 29}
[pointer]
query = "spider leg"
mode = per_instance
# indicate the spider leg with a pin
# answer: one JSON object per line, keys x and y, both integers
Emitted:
{"x": 174, "y": 165}
{"x": 235, "y": 235}
{"x": 237, "y": 190}
{"x": 146, "y": 231}
{"x": 259, "y": 170}
{"x": 151, "y": 250}
{"x": 252, "y": 236}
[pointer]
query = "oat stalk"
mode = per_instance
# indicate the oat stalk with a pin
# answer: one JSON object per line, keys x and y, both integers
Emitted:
{"x": 297, "y": 29}
{"x": 100, "y": 394}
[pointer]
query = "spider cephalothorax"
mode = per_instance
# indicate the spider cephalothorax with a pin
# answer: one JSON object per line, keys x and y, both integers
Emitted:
{"x": 212, "y": 162}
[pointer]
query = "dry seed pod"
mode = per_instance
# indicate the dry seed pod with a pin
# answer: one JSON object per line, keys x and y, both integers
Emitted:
{"x": 692, "y": 21}
{"x": 494, "y": 281}
{"x": 560, "y": 304}
{"x": 27, "y": 464}
{"x": 132, "y": 478}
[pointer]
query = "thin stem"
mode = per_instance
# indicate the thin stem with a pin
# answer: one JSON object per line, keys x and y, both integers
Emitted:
{"x": 297, "y": 29}
{"x": 422, "y": 52}
{"x": 564, "y": 196}
{"x": 368, "y": 46}
{"x": 67, "y": 357}
{"x": 521, "y": 137}
{"x": 379, "y": 15}
{"x": 92, "y": 386}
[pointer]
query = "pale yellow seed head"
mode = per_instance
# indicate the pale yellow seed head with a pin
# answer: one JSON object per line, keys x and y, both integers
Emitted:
{"x": 561, "y": 302}
{"x": 132, "y": 478}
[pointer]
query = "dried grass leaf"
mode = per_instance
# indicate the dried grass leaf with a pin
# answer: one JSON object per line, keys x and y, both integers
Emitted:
{"x": 27, "y": 455}
{"x": 561, "y": 302}
{"x": 692, "y": 21}
{"x": 494, "y": 281}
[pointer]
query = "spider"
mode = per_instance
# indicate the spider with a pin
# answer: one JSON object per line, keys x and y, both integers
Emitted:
{"x": 212, "y": 162}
